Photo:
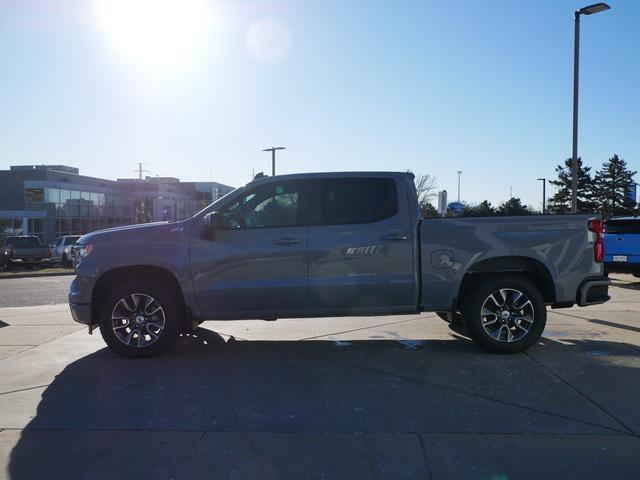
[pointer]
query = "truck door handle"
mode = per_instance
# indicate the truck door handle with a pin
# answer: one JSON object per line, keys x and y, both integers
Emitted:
{"x": 393, "y": 237}
{"x": 288, "y": 241}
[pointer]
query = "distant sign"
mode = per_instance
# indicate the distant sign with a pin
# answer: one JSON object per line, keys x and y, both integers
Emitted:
{"x": 456, "y": 207}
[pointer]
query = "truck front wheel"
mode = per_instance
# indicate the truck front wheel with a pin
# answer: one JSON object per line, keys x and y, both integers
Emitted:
{"x": 505, "y": 314}
{"x": 139, "y": 318}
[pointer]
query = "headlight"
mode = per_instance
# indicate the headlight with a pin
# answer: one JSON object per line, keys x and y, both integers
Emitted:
{"x": 82, "y": 251}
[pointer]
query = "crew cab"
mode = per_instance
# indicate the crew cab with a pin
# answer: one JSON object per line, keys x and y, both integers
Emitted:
{"x": 23, "y": 250}
{"x": 334, "y": 244}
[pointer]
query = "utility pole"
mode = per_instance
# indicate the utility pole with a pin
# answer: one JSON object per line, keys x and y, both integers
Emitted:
{"x": 544, "y": 195}
{"x": 140, "y": 170}
{"x": 273, "y": 157}
{"x": 510, "y": 192}
{"x": 459, "y": 174}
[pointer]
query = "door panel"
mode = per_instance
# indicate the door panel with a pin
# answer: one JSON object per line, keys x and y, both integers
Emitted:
{"x": 365, "y": 264}
{"x": 257, "y": 262}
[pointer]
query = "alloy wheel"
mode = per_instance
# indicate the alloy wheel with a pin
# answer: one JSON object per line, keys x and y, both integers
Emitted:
{"x": 138, "y": 320}
{"x": 507, "y": 315}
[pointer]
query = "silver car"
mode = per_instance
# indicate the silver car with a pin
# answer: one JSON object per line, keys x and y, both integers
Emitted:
{"x": 61, "y": 252}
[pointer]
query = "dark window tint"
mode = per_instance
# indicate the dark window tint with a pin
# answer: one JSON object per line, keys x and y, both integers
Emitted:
{"x": 357, "y": 200}
{"x": 70, "y": 240}
{"x": 272, "y": 205}
{"x": 24, "y": 241}
{"x": 622, "y": 226}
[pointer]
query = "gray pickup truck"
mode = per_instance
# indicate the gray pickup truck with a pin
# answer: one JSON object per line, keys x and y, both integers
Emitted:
{"x": 25, "y": 250}
{"x": 334, "y": 244}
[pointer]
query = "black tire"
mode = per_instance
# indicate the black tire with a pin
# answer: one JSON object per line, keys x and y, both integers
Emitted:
{"x": 142, "y": 289}
{"x": 483, "y": 330}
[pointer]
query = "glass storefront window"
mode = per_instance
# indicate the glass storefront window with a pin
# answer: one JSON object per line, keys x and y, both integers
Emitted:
{"x": 52, "y": 195}
{"x": 64, "y": 196}
{"x": 36, "y": 227}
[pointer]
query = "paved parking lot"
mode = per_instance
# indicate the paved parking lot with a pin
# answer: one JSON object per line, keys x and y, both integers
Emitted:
{"x": 378, "y": 397}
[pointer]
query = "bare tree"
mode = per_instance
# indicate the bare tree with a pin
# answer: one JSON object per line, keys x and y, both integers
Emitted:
{"x": 426, "y": 188}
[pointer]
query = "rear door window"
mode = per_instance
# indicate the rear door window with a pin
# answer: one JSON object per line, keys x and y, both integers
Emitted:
{"x": 355, "y": 200}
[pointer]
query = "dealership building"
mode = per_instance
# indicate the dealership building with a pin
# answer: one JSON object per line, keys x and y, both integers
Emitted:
{"x": 54, "y": 200}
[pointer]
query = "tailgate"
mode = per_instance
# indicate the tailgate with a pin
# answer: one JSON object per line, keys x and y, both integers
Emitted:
{"x": 622, "y": 240}
{"x": 32, "y": 252}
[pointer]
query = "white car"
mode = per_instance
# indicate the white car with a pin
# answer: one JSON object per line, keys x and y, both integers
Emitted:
{"x": 61, "y": 251}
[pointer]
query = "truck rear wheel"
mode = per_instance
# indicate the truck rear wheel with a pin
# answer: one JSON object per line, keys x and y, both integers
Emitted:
{"x": 139, "y": 318}
{"x": 505, "y": 314}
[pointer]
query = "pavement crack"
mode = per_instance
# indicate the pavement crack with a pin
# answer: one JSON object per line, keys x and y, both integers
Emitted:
{"x": 457, "y": 390}
{"x": 426, "y": 457}
{"x": 187, "y": 455}
{"x": 581, "y": 393}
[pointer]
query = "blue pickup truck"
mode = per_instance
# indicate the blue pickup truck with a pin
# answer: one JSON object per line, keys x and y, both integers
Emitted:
{"x": 622, "y": 245}
{"x": 334, "y": 244}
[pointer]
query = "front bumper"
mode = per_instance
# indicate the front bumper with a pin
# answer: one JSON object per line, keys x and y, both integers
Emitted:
{"x": 81, "y": 313}
{"x": 80, "y": 308}
{"x": 594, "y": 291}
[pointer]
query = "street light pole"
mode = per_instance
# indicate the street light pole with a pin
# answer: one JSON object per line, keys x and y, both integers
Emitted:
{"x": 544, "y": 195}
{"x": 273, "y": 157}
{"x": 574, "y": 149}
{"x": 595, "y": 8}
{"x": 459, "y": 174}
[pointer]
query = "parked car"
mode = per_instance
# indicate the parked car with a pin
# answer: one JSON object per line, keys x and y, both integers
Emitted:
{"x": 622, "y": 245}
{"x": 23, "y": 250}
{"x": 61, "y": 252}
{"x": 334, "y": 244}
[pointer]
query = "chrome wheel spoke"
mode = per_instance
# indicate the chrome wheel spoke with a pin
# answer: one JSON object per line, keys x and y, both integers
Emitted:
{"x": 138, "y": 320}
{"x": 507, "y": 315}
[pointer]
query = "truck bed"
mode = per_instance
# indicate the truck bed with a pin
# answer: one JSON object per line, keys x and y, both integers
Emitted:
{"x": 558, "y": 247}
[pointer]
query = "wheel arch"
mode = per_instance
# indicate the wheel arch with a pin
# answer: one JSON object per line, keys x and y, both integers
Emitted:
{"x": 120, "y": 274}
{"x": 530, "y": 268}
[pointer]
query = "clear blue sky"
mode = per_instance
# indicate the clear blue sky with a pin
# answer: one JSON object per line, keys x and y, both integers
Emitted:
{"x": 479, "y": 86}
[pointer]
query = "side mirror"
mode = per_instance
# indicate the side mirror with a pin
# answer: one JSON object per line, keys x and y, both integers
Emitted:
{"x": 210, "y": 223}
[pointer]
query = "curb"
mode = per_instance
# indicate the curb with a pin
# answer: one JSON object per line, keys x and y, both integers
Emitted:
{"x": 35, "y": 275}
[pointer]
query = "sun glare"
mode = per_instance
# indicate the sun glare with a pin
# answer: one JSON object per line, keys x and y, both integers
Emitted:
{"x": 155, "y": 33}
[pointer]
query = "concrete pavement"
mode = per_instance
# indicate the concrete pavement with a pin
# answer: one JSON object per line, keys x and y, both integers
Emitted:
{"x": 377, "y": 397}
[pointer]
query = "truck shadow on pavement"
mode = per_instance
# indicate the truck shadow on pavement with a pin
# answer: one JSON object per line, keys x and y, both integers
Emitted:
{"x": 292, "y": 409}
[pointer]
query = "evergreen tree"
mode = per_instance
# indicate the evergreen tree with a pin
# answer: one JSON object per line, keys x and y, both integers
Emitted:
{"x": 560, "y": 202}
{"x": 483, "y": 209}
{"x": 513, "y": 206}
{"x": 611, "y": 186}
